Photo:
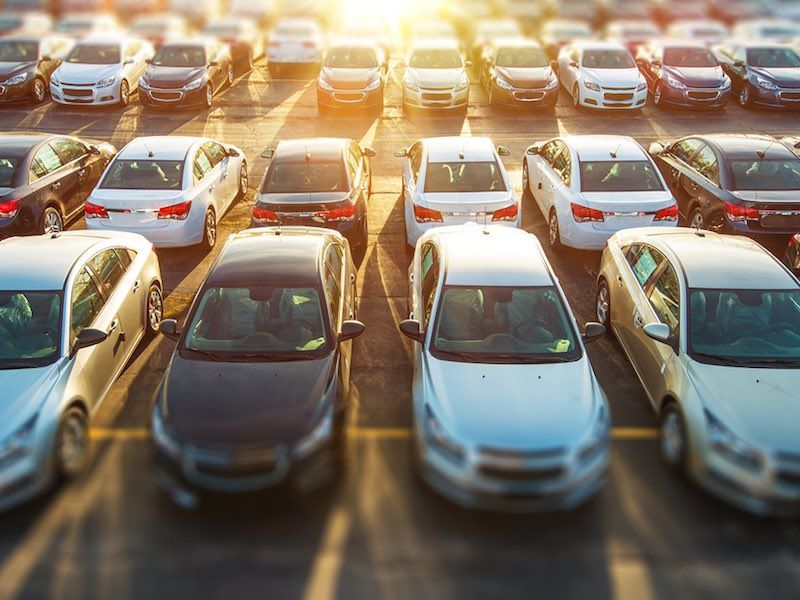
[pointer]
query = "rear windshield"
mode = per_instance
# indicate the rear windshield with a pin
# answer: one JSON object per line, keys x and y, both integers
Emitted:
{"x": 305, "y": 177}
{"x": 766, "y": 174}
{"x": 619, "y": 176}
{"x": 435, "y": 58}
{"x": 17, "y": 51}
{"x": 458, "y": 177}
{"x": 180, "y": 56}
{"x": 689, "y": 57}
{"x": 521, "y": 58}
{"x": 351, "y": 58}
{"x": 775, "y": 58}
{"x": 95, "y": 54}
{"x": 608, "y": 59}
{"x": 144, "y": 175}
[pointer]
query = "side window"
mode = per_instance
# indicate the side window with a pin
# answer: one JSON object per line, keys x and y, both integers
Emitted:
{"x": 575, "y": 56}
{"x": 430, "y": 277}
{"x": 333, "y": 282}
{"x": 352, "y": 165}
{"x": 549, "y": 152}
{"x": 705, "y": 163}
{"x": 87, "y": 302}
{"x": 131, "y": 50}
{"x": 46, "y": 161}
{"x": 108, "y": 268}
{"x": 201, "y": 165}
{"x": 665, "y": 299}
{"x": 69, "y": 149}
{"x": 685, "y": 149}
{"x": 562, "y": 164}
{"x": 125, "y": 256}
{"x": 644, "y": 263}
{"x": 216, "y": 153}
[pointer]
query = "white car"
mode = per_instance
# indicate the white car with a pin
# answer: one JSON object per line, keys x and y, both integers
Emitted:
{"x": 703, "y": 30}
{"x": 455, "y": 180}
{"x": 507, "y": 412}
{"x": 775, "y": 30}
{"x": 435, "y": 77}
{"x": 101, "y": 71}
{"x": 172, "y": 190}
{"x": 590, "y": 186}
{"x": 293, "y": 43}
{"x": 602, "y": 75}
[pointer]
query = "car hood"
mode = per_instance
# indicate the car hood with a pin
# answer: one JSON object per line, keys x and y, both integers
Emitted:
{"x": 439, "y": 78}
{"x": 759, "y": 405}
{"x": 628, "y": 201}
{"x": 769, "y": 196}
{"x": 349, "y": 78}
{"x": 516, "y": 406}
{"x": 172, "y": 77}
{"x": 83, "y": 73}
{"x": 697, "y": 76}
{"x": 129, "y": 199}
{"x": 614, "y": 77}
{"x": 304, "y": 198}
{"x": 24, "y": 391}
{"x": 788, "y": 77}
{"x": 9, "y": 69}
{"x": 243, "y": 403}
{"x": 526, "y": 77}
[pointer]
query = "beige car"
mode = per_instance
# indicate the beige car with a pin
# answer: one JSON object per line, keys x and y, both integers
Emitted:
{"x": 711, "y": 325}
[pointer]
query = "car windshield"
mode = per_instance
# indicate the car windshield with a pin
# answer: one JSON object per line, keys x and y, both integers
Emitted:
{"x": 95, "y": 54}
{"x": 637, "y": 33}
{"x": 689, "y": 57}
{"x": 567, "y": 32}
{"x": 619, "y": 176}
{"x": 259, "y": 322}
{"x": 344, "y": 57}
{"x": 297, "y": 177}
{"x": 458, "y": 177}
{"x": 73, "y": 26}
{"x": 295, "y": 31}
{"x": 179, "y": 56}
{"x": 222, "y": 30}
{"x": 747, "y": 327}
{"x": 776, "y": 58}
{"x": 8, "y": 166}
{"x": 608, "y": 59}
{"x": 30, "y": 326}
{"x": 522, "y": 58}
{"x": 766, "y": 174}
{"x": 503, "y": 325}
{"x": 435, "y": 58}
{"x": 17, "y": 51}
{"x": 144, "y": 175}
{"x": 780, "y": 32}
{"x": 7, "y": 23}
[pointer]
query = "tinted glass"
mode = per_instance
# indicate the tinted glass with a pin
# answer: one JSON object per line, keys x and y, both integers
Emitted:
{"x": 18, "y": 51}
{"x": 180, "y": 56}
{"x": 665, "y": 300}
{"x": 705, "y": 162}
{"x": 30, "y": 327}
{"x": 46, "y": 161}
{"x": 522, "y": 58}
{"x": 435, "y": 58}
{"x": 775, "y": 58}
{"x": 305, "y": 177}
{"x": 644, "y": 262}
{"x": 765, "y": 174}
{"x": 608, "y": 59}
{"x": 87, "y": 302}
{"x": 69, "y": 149}
{"x": 144, "y": 175}
{"x": 684, "y": 149}
{"x": 108, "y": 268}
{"x": 8, "y": 167}
{"x": 202, "y": 165}
{"x": 619, "y": 176}
{"x": 351, "y": 58}
{"x": 455, "y": 177}
{"x": 216, "y": 153}
{"x": 95, "y": 54}
{"x": 689, "y": 57}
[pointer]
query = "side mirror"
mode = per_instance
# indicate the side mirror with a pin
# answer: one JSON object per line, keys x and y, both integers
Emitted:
{"x": 503, "y": 151}
{"x": 660, "y": 333}
{"x": 412, "y": 329}
{"x": 268, "y": 153}
{"x": 369, "y": 152}
{"x": 46, "y": 58}
{"x": 94, "y": 150}
{"x": 170, "y": 328}
{"x": 350, "y": 330}
{"x": 148, "y": 60}
{"x": 573, "y": 63}
{"x": 533, "y": 150}
{"x": 401, "y": 152}
{"x": 213, "y": 63}
{"x": 592, "y": 331}
{"x": 656, "y": 149}
{"x": 87, "y": 338}
{"x": 233, "y": 152}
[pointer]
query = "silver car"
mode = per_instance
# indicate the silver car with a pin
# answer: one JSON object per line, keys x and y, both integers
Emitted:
{"x": 508, "y": 414}
{"x": 73, "y": 308}
{"x": 711, "y": 324}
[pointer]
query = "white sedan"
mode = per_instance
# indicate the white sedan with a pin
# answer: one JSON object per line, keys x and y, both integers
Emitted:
{"x": 602, "y": 75}
{"x": 172, "y": 190}
{"x": 101, "y": 71}
{"x": 590, "y": 186}
{"x": 454, "y": 180}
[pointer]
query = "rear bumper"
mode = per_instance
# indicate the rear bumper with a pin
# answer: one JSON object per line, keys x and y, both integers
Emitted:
{"x": 584, "y": 236}
{"x": 352, "y": 230}
{"x": 175, "y": 234}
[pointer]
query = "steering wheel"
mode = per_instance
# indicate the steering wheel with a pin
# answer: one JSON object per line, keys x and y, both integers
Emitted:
{"x": 530, "y": 323}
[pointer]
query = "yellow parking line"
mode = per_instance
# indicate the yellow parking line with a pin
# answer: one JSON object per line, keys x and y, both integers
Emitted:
{"x": 634, "y": 433}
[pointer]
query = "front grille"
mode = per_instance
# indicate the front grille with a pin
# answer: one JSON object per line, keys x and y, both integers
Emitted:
{"x": 78, "y": 100}
{"x": 349, "y": 96}
{"x": 791, "y": 478}
{"x": 521, "y": 474}
{"x": 790, "y": 95}
{"x": 78, "y": 93}
{"x": 436, "y": 96}
{"x": 528, "y": 95}
{"x": 512, "y": 454}
{"x": 702, "y": 95}
{"x": 617, "y": 97}
{"x": 167, "y": 96}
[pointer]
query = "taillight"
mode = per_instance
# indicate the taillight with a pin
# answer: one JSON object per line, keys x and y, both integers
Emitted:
{"x": 426, "y": 215}
{"x": 94, "y": 211}
{"x": 9, "y": 208}
{"x": 794, "y": 240}
{"x": 667, "y": 214}
{"x": 345, "y": 213}
{"x": 178, "y": 212}
{"x": 509, "y": 213}
{"x": 584, "y": 214}
{"x": 740, "y": 214}
{"x": 262, "y": 216}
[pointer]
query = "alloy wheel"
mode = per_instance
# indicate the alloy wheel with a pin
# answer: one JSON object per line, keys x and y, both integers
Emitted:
{"x": 243, "y": 182}
{"x": 657, "y": 96}
{"x": 209, "y": 96}
{"x": 671, "y": 439}
{"x": 124, "y": 94}
{"x": 230, "y": 75}
{"x": 73, "y": 443}
{"x": 697, "y": 220}
{"x": 210, "y": 229}
{"x": 38, "y": 91}
{"x": 744, "y": 96}
{"x": 52, "y": 221}
{"x": 602, "y": 303}
{"x": 155, "y": 308}
{"x": 552, "y": 229}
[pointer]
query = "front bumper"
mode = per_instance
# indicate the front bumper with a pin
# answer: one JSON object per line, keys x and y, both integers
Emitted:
{"x": 614, "y": 99}
{"x": 16, "y": 93}
{"x": 85, "y": 94}
{"x": 695, "y": 97}
{"x": 781, "y": 98}
{"x": 349, "y": 98}
{"x": 150, "y": 96}
{"x": 429, "y": 98}
{"x": 22, "y": 481}
{"x": 525, "y": 97}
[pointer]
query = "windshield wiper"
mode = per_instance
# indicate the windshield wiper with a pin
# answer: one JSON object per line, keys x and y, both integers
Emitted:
{"x": 19, "y": 365}
{"x": 781, "y": 362}
{"x": 206, "y": 353}
{"x": 269, "y": 356}
{"x": 722, "y": 360}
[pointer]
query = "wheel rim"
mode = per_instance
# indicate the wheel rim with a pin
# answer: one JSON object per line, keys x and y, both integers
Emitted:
{"x": 657, "y": 95}
{"x": 671, "y": 439}
{"x": 576, "y": 101}
{"x": 38, "y": 90}
{"x": 697, "y": 221}
{"x": 243, "y": 180}
{"x": 123, "y": 92}
{"x": 52, "y": 222}
{"x": 525, "y": 177}
{"x": 744, "y": 96}
{"x": 553, "y": 230}
{"x": 230, "y": 74}
{"x": 209, "y": 95}
{"x": 211, "y": 229}
{"x": 73, "y": 443}
{"x": 155, "y": 308}
{"x": 602, "y": 304}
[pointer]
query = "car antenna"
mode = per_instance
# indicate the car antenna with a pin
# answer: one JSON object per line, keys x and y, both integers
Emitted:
{"x": 762, "y": 154}
{"x": 614, "y": 153}
{"x": 150, "y": 153}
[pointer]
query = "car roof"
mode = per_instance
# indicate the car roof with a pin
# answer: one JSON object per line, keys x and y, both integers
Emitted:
{"x": 160, "y": 147}
{"x": 598, "y": 45}
{"x": 516, "y": 42}
{"x": 16, "y": 145}
{"x": 600, "y": 147}
{"x": 740, "y": 145}
{"x": 492, "y": 255}
{"x": 679, "y": 43}
{"x": 453, "y": 148}
{"x": 352, "y": 42}
{"x": 285, "y": 256}
{"x": 318, "y": 148}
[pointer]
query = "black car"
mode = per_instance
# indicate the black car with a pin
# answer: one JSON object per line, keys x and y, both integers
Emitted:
{"x": 353, "y": 75}
{"x": 762, "y": 73}
{"x": 735, "y": 183}
{"x": 186, "y": 73}
{"x": 243, "y": 37}
{"x": 319, "y": 182}
{"x": 255, "y": 394}
{"x": 518, "y": 73}
{"x": 45, "y": 179}
{"x": 683, "y": 73}
{"x": 26, "y": 63}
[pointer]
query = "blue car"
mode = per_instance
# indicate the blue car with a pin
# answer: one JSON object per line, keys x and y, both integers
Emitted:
{"x": 762, "y": 73}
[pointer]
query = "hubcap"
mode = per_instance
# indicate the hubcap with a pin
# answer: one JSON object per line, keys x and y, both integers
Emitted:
{"x": 209, "y": 95}
{"x": 38, "y": 90}
{"x": 576, "y": 100}
{"x": 697, "y": 221}
{"x": 123, "y": 93}
{"x": 211, "y": 229}
{"x": 155, "y": 308}
{"x": 553, "y": 229}
{"x": 230, "y": 75}
{"x": 657, "y": 95}
{"x": 525, "y": 177}
{"x": 602, "y": 304}
{"x": 671, "y": 439}
{"x": 243, "y": 180}
{"x": 743, "y": 96}
{"x": 52, "y": 222}
{"x": 73, "y": 444}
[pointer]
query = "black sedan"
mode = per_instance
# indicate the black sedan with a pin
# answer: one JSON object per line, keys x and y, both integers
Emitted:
{"x": 186, "y": 73}
{"x": 684, "y": 73}
{"x": 255, "y": 394}
{"x": 518, "y": 73}
{"x": 45, "y": 179}
{"x": 26, "y": 63}
{"x": 762, "y": 73}
{"x": 353, "y": 75}
{"x": 735, "y": 183}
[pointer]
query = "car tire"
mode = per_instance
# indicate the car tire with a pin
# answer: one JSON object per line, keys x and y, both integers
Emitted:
{"x": 52, "y": 221}
{"x": 658, "y": 92}
{"x": 576, "y": 97}
{"x": 154, "y": 310}
{"x": 553, "y": 232}
{"x": 745, "y": 97}
{"x": 209, "y": 99}
{"x": 697, "y": 219}
{"x": 672, "y": 441}
{"x": 72, "y": 444}
{"x": 39, "y": 91}
{"x": 209, "y": 231}
{"x": 490, "y": 93}
{"x": 379, "y": 104}
{"x": 249, "y": 63}
{"x": 124, "y": 94}
{"x": 244, "y": 181}
{"x": 602, "y": 304}
{"x": 526, "y": 183}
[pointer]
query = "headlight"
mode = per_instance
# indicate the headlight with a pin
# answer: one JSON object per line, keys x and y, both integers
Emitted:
{"x": 723, "y": 441}
{"x": 439, "y": 440}
{"x": 19, "y": 443}
{"x": 54, "y": 80}
{"x": 410, "y": 85}
{"x": 193, "y": 84}
{"x": 107, "y": 81}
{"x": 373, "y": 86}
{"x": 552, "y": 84}
{"x": 462, "y": 85}
{"x": 726, "y": 83}
{"x": 674, "y": 83}
{"x": 503, "y": 84}
{"x": 642, "y": 86}
{"x": 320, "y": 435}
{"x": 17, "y": 79}
{"x": 591, "y": 85}
{"x": 161, "y": 437}
{"x": 325, "y": 85}
{"x": 767, "y": 85}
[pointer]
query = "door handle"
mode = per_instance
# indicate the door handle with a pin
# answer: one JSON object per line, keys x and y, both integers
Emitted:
{"x": 113, "y": 326}
{"x": 56, "y": 185}
{"x": 136, "y": 285}
{"x": 211, "y": 188}
{"x": 619, "y": 280}
{"x": 540, "y": 185}
{"x": 637, "y": 319}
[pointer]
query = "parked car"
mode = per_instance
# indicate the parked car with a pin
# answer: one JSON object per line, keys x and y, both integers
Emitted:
{"x": 632, "y": 34}
{"x": 81, "y": 25}
{"x": 100, "y": 71}
{"x": 197, "y": 12}
{"x": 455, "y": 180}
{"x": 160, "y": 29}
{"x": 376, "y": 32}
{"x": 630, "y": 10}
{"x": 602, "y": 75}
{"x": 44, "y": 180}
{"x": 518, "y": 73}
{"x": 173, "y": 190}
{"x": 703, "y": 30}
{"x": 242, "y": 35}
{"x": 262, "y": 12}
{"x": 187, "y": 73}
{"x": 589, "y": 186}
{"x": 427, "y": 30}
{"x": 734, "y": 183}
{"x": 486, "y": 31}
{"x": 667, "y": 11}
{"x": 495, "y": 340}
{"x": 711, "y": 322}
{"x": 25, "y": 23}
{"x": 294, "y": 43}
{"x": 734, "y": 11}
{"x": 318, "y": 182}
{"x": 26, "y": 63}
{"x": 684, "y": 73}
{"x": 74, "y": 308}
{"x": 572, "y": 10}
{"x": 435, "y": 77}
{"x": 555, "y": 34}
{"x": 773, "y": 30}
{"x": 353, "y": 75}
{"x": 274, "y": 337}
{"x": 762, "y": 73}
{"x": 784, "y": 9}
